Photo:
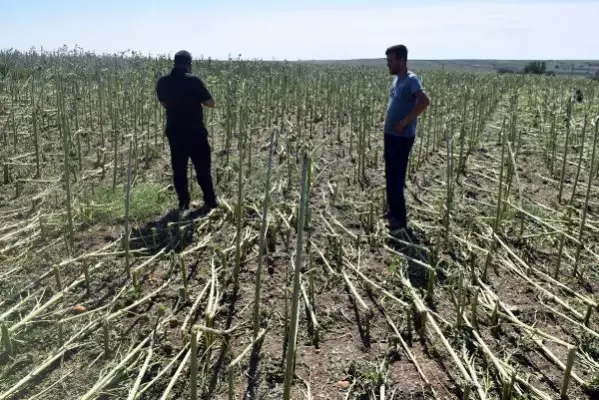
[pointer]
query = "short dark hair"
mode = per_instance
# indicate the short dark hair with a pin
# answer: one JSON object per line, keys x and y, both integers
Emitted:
{"x": 399, "y": 50}
{"x": 183, "y": 58}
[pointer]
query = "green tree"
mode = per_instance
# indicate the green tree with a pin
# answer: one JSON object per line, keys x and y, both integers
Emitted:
{"x": 535, "y": 67}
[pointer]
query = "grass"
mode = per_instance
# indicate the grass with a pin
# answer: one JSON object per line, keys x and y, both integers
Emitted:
{"x": 294, "y": 286}
{"x": 106, "y": 205}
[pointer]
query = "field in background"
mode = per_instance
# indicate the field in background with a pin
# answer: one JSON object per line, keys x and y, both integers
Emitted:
{"x": 584, "y": 68}
{"x": 107, "y": 293}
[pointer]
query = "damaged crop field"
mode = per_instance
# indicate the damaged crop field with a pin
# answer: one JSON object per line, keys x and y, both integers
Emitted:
{"x": 293, "y": 287}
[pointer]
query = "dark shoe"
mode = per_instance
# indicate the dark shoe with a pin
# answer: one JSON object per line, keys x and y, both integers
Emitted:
{"x": 211, "y": 204}
{"x": 207, "y": 207}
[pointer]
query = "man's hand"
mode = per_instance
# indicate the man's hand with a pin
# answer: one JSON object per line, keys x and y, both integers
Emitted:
{"x": 209, "y": 103}
{"x": 400, "y": 126}
{"x": 422, "y": 102}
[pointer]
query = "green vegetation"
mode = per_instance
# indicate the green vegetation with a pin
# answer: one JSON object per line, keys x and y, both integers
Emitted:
{"x": 582, "y": 68}
{"x": 306, "y": 295}
{"x": 536, "y": 67}
{"x": 107, "y": 205}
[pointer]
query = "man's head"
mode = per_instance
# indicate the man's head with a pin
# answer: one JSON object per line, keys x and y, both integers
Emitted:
{"x": 183, "y": 60}
{"x": 397, "y": 58}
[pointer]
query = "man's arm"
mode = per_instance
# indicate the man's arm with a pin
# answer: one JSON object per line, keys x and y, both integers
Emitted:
{"x": 204, "y": 94}
{"x": 422, "y": 103}
{"x": 160, "y": 92}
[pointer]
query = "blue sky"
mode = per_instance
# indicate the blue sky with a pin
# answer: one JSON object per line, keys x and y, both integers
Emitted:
{"x": 309, "y": 29}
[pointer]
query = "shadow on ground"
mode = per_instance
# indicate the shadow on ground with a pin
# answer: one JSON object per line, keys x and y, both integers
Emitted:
{"x": 417, "y": 250}
{"x": 173, "y": 231}
{"x": 225, "y": 355}
{"x": 253, "y": 373}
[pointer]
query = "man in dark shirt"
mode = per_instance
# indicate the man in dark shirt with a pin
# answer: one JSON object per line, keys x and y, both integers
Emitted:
{"x": 183, "y": 95}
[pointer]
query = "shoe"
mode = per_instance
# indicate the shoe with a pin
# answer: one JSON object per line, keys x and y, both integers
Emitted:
{"x": 211, "y": 204}
{"x": 207, "y": 207}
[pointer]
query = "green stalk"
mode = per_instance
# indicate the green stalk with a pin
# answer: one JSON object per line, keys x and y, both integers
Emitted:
{"x": 450, "y": 183}
{"x": 263, "y": 231}
{"x": 67, "y": 169}
{"x": 565, "y": 160}
{"x": 499, "y": 200}
{"x": 127, "y": 211}
{"x": 569, "y": 365}
{"x": 292, "y": 334}
{"x": 38, "y": 171}
{"x": 194, "y": 365}
{"x": 462, "y": 157}
{"x": 582, "y": 141}
{"x": 239, "y": 205}
{"x": 6, "y": 340}
{"x": 586, "y": 201}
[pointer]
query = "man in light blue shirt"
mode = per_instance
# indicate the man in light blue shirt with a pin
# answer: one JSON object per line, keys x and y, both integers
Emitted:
{"x": 407, "y": 100}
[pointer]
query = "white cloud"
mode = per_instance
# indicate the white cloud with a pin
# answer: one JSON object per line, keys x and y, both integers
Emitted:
{"x": 551, "y": 30}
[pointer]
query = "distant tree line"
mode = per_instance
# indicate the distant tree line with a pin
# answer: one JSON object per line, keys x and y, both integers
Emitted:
{"x": 539, "y": 68}
{"x": 533, "y": 67}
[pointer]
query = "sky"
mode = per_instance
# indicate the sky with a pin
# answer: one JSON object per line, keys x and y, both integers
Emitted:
{"x": 309, "y": 29}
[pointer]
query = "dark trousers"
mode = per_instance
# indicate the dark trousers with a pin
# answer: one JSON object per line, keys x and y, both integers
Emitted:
{"x": 397, "y": 154}
{"x": 196, "y": 147}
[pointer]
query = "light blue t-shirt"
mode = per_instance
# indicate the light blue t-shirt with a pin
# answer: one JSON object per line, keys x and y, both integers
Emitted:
{"x": 402, "y": 100}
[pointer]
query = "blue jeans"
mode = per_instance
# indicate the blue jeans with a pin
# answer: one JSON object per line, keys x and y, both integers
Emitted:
{"x": 397, "y": 154}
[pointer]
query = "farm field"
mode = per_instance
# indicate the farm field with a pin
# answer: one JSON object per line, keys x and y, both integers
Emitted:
{"x": 107, "y": 293}
{"x": 588, "y": 68}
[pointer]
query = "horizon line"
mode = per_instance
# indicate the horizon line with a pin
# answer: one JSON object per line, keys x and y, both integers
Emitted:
{"x": 127, "y": 53}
